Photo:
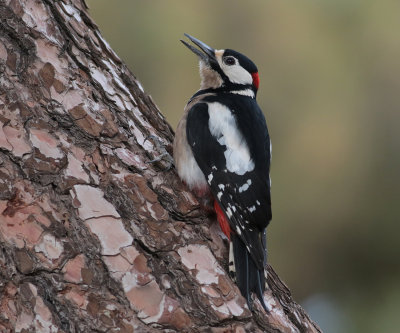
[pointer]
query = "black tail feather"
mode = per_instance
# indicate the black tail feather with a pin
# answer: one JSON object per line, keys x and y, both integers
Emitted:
{"x": 260, "y": 289}
{"x": 264, "y": 244}
{"x": 246, "y": 281}
{"x": 248, "y": 277}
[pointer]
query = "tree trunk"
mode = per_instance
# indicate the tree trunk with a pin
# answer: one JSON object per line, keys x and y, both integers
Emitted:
{"x": 94, "y": 238}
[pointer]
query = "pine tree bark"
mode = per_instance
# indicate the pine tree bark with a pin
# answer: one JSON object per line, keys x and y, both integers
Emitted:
{"x": 93, "y": 238}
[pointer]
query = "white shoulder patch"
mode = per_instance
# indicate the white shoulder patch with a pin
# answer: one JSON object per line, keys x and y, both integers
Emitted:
{"x": 223, "y": 127}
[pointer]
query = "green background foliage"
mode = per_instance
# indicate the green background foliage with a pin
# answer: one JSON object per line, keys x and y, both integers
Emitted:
{"x": 330, "y": 86}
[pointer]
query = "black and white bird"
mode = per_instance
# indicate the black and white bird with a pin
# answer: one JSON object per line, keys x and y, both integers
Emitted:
{"x": 222, "y": 147}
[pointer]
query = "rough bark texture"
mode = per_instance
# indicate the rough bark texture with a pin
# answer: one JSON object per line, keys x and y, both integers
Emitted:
{"x": 92, "y": 237}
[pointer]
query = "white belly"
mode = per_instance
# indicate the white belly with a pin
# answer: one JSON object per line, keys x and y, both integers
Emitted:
{"x": 186, "y": 166}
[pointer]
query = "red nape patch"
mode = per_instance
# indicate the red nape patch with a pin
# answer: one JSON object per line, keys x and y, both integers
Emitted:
{"x": 223, "y": 220}
{"x": 256, "y": 80}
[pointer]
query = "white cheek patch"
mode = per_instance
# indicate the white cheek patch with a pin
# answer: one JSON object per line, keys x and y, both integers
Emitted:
{"x": 223, "y": 127}
{"x": 235, "y": 73}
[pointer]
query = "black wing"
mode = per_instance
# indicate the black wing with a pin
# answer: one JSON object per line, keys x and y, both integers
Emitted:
{"x": 244, "y": 198}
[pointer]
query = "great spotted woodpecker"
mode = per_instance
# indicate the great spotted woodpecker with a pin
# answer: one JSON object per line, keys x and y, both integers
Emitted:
{"x": 222, "y": 147}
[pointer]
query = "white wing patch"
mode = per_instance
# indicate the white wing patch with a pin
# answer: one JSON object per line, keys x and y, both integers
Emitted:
{"x": 245, "y": 186}
{"x": 223, "y": 127}
{"x": 210, "y": 178}
{"x": 251, "y": 209}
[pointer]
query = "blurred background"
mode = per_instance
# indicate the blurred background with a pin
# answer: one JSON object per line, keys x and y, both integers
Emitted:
{"x": 330, "y": 90}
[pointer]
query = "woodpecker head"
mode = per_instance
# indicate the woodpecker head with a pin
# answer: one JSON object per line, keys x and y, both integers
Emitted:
{"x": 224, "y": 68}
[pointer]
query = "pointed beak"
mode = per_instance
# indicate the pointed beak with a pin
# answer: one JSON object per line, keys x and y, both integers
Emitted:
{"x": 205, "y": 52}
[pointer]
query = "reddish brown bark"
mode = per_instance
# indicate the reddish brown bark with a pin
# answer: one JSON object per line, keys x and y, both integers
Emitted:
{"x": 92, "y": 237}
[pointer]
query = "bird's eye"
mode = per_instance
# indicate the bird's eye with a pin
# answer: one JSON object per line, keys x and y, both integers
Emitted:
{"x": 229, "y": 61}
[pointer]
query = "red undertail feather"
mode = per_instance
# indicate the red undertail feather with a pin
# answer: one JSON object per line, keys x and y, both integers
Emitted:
{"x": 222, "y": 219}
